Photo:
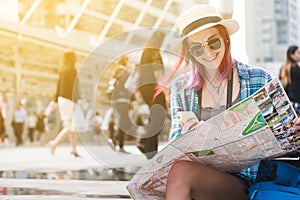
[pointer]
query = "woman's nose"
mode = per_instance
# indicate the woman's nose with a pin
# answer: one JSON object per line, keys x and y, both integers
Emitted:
{"x": 207, "y": 50}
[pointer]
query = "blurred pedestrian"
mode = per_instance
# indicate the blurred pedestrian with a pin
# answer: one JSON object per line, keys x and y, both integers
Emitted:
{"x": 111, "y": 133}
{"x": 41, "y": 127}
{"x": 151, "y": 70}
{"x": 97, "y": 122}
{"x": 121, "y": 101}
{"x": 290, "y": 76}
{"x": 3, "y": 117}
{"x": 67, "y": 95}
{"x": 18, "y": 121}
{"x": 31, "y": 125}
{"x": 144, "y": 135}
{"x": 2, "y": 126}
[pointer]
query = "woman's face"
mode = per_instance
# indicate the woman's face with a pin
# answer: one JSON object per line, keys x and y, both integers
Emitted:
{"x": 207, "y": 47}
{"x": 296, "y": 56}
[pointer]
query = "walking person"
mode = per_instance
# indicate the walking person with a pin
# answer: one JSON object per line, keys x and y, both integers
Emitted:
{"x": 67, "y": 95}
{"x": 3, "y": 117}
{"x": 18, "y": 121}
{"x": 111, "y": 133}
{"x": 290, "y": 76}
{"x": 216, "y": 82}
{"x": 97, "y": 123}
{"x": 2, "y": 126}
{"x": 151, "y": 70}
{"x": 120, "y": 102}
{"x": 31, "y": 126}
{"x": 41, "y": 127}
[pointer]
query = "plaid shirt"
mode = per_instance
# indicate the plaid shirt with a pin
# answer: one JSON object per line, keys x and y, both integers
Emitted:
{"x": 186, "y": 99}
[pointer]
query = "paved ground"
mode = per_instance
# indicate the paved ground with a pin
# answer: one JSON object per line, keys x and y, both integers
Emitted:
{"x": 40, "y": 159}
{"x": 31, "y": 172}
{"x": 34, "y": 189}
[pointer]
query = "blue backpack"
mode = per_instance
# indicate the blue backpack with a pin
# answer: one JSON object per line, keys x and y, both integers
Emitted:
{"x": 276, "y": 180}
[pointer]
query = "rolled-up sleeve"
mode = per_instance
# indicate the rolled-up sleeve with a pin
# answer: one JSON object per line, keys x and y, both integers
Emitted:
{"x": 175, "y": 106}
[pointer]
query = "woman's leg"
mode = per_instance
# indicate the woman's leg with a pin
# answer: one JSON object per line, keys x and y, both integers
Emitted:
{"x": 53, "y": 143}
{"x": 73, "y": 138}
{"x": 188, "y": 180}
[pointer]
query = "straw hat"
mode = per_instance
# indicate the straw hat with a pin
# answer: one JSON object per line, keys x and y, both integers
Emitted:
{"x": 199, "y": 18}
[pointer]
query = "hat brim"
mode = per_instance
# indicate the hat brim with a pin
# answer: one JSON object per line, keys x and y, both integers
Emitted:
{"x": 231, "y": 26}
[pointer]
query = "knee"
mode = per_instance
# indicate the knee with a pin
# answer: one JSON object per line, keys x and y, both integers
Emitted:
{"x": 178, "y": 173}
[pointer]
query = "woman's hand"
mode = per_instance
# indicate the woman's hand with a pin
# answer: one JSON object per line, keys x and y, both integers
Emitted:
{"x": 296, "y": 126}
{"x": 190, "y": 124}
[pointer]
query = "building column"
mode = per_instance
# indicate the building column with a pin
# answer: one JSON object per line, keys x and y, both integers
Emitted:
{"x": 18, "y": 74}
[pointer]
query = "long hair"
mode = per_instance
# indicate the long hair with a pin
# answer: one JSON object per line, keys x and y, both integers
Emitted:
{"x": 69, "y": 60}
{"x": 285, "y": 72}
{"x": 185, "y": 58}
{"x": 155, "y": 40}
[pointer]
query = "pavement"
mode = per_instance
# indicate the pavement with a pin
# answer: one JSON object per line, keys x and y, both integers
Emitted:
{"x": 32, "y": 172}
{"x": 35, "y": 189}
{"x": 91, "y": 156}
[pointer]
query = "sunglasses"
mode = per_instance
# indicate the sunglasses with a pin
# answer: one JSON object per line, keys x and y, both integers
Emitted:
{"x": 198, "y": 50}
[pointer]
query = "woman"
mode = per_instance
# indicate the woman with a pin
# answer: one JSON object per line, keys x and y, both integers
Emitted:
{"x": 290, "y": 76}
{"x": 151, "y": 70}
{"x": 67, "y": 95}
{"x": 215, "y": 83}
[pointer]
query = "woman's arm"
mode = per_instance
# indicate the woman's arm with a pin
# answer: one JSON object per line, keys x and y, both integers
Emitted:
{"x": 175, "y": 106}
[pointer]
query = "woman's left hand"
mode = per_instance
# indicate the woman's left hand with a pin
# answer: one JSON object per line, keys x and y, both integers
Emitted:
{"x": 296, "y": 126}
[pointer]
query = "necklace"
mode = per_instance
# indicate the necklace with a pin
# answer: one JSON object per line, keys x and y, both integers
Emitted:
{"x": 217, "y": 98}
{"x": 216, "y": 88}
{"x": 216, "y": 93}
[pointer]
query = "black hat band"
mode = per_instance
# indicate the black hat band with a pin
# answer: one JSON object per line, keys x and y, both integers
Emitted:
{"x": 200, "y": 22}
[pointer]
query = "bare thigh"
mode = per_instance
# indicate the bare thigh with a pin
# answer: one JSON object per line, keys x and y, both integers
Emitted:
{"x": 189, "y": 180}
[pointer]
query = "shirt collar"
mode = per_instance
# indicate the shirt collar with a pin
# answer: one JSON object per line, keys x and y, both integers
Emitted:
{"x": 242, "y": 70}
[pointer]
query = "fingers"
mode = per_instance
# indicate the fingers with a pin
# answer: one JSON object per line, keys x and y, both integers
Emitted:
{"x": 296, "y": 126}
{"x": 296, "y": 121}
{"x": 190, "y": 124}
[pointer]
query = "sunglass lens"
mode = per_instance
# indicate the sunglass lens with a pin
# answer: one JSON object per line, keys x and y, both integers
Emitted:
{"x": 214, "y": 44}
{"x": 197, "y": 50}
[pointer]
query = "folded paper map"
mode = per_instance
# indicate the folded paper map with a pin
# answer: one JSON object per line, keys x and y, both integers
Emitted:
{"x": 256, "y": 128}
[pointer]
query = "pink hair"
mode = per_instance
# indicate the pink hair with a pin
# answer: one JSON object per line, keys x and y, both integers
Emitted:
{"x": 197, "y": 79}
